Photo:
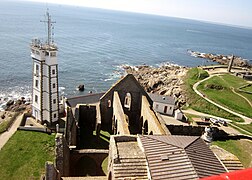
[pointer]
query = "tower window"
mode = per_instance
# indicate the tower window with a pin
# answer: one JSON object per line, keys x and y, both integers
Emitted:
{"x": 37, "y": 69}
{"x": 53, "y": 71}
{"x": 54, "y": 101}
{"x": 55, "y": 115}
{"x": 36, "y": 98}
{"x": 36, "y": 83}
{"x": 54, "y": 85}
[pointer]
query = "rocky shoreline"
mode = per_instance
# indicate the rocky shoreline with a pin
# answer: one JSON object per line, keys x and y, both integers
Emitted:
{"x": 164, "y": 80}
{"x": 221, "y": 59}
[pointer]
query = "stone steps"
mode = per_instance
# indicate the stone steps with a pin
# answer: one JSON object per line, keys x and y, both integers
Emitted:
{"x": 131, "y": 167}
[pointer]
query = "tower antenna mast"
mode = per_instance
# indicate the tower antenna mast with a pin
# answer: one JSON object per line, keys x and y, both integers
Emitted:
{"x": 49, "y": 27}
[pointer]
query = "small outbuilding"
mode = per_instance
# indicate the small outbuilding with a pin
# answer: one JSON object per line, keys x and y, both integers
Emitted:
{"x": 178, "y": 114}
{"x": 163, "y": 104}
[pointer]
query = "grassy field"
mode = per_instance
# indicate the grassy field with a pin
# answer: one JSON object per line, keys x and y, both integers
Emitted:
{"x": 219, "y": 89}
{"x": 199, "y": 104}
{"x": 7, "y": 122}
{"x": 240, "y": 148}
{"x": 25, "y": 154}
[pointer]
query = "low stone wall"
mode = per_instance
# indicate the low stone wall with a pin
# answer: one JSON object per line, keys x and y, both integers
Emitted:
{"x": 25, "y": 116}
{"x": 196, "y": 131}
{"x": 62, "y": 153}
{"x": 36, "y": 129}
{"x": 51, "y": 172}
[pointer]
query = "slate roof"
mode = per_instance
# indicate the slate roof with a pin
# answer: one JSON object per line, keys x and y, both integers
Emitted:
{"x": 162, "y": 99}
{"x": 179, "y": 157}
{"x": 86, "y": 99}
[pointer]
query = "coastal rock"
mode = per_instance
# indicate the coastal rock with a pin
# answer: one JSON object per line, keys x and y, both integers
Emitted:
{"x": 9, "y": 103}
{"x": 81, "y": 87}
{"x": 164, "y": 80}
{"x": 18, "y": 106}
{"x": 221, "y": 59}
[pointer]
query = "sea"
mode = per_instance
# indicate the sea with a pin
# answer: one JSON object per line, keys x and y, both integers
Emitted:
{"x": 94, "y": 44}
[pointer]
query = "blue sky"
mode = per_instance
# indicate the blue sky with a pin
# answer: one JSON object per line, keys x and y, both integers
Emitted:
{"x": 233, "y": 12}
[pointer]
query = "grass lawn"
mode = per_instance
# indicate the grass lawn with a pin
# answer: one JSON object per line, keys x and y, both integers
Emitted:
{"x": 4, "y": 126}
{"x": 218, "y": 89}
{"x": 25, "y": 154}
{"x": 199, "y": 104}
{"x": 234, "y": 81}
{"x": 240, "y": 148}
{"x": 7, "y": 122}
{"x": 105, "y": 165}
{"x": 247, "y": 95}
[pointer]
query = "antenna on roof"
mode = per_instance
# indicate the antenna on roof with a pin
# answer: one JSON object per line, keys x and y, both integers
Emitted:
{"x": 49, "y": 27}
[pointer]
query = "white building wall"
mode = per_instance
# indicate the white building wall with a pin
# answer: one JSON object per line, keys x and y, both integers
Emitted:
{"x": 45, "y": 84}
{"x": 37, "y": 113}
{"x": 160, "y": 107}
{"x": 178, "y": 115}
{"x": 46, "y": 115}
{"x": 35, "y": 103}
{"x": 54, "y": 86}
{"x": 45, "y": 69}
{"x": 46, "y": 101}
{"x": 54, "y": 105}
{"x": 51, "y": 60}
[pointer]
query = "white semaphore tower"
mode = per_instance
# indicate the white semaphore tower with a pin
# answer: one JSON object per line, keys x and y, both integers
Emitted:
{"x": 45, "y": 95}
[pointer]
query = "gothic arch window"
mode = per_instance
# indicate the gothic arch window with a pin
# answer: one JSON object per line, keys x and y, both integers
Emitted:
{"x": 109, "y": 103}
{"x": 145, "y": 127}
{"x": 127, "y": 101}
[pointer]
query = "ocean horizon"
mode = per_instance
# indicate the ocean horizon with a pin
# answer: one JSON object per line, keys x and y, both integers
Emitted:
{"x": 95, "y": 43}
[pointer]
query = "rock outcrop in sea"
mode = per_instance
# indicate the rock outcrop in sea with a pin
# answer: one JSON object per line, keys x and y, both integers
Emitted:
{"x": 221, "y": 59}
{"x": 164, "y": 80}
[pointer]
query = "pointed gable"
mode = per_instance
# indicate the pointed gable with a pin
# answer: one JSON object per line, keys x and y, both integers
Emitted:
{"x": 127, "y": 84}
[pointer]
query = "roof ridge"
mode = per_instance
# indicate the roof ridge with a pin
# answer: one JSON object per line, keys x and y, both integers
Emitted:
{"x": 148, "y": 136}
{"x": 177, "y": 136}
{"x": 192, "y": 142}
{"x": 124, "y": 78}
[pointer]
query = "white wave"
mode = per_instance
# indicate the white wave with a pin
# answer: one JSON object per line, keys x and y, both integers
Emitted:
{"x": 193, "y": 31}
{"x": 167, "y": 64}
{"x": 14, "y": 93}
{"x": 62, "y": 88}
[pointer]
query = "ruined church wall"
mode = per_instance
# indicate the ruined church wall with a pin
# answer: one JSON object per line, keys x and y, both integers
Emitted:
{"x": 127, "y": 85}
{"x": 121, "y": 124}
{"x": 71, "y": 128}
{"x": 149, "y": 117}
{"x": 62, "y": 153}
